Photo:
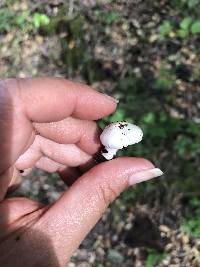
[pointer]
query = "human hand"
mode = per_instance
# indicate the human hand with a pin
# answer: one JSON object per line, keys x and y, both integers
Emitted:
{"x": 49, "y": 123}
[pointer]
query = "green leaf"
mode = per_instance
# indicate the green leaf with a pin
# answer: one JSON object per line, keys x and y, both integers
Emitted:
{"x": 195, "y": 203}
{"x": 191, "y": 226}
{"x": 164, "y": 83}
{"x": 192, "y": 3}
{"x": 119, "y": 115}
{"x": 44, "y": 20}
{"x": 40, "y": 20}
{"x": 185, "y": 23}
{"x": 183, "y": 33}
{"x": 21, "y": 18}
{"x": 6, "y": 19}
{"x": 195, "y": 29}
{"x": 111, "y": 17}
{"x": 183, "y": 146}
{"x": 166, "y": 28}
{"x": 153, "y": 258}
{"x": 163, "y": 116}
{"x": 36, "y": 20}
{"x": 149, "y": 118}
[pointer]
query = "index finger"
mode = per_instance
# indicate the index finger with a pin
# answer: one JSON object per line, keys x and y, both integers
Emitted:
{"x": 48, "y": 99}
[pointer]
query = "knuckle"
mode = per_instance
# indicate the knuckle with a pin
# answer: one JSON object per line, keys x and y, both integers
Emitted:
{"x": 106, "y": 193}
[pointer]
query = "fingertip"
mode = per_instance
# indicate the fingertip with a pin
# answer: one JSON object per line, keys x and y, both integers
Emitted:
{"x": 110, "y": 103}
{"x": 93, "y": 104}
{"x": 122, "y": 165}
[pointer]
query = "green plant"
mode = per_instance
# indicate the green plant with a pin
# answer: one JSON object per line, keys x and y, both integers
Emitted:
{"x": 195, "y": 28}
{"x": 6, "y": 19}
{"x": 191, "y": 224}
{"x": 166, "y": 78}
{"x": 192, "y": 3}
{"x": 186, "y": 6}
{"x": 165, "y": 28}
{"x": 184, "y": 30}
{"x": 112, "y": 17}
{"x": 22, "y": 18}
{"x": 188, "y": 26}
{"x": 40, "y": 19}
{"x": 154, "y": 257}
{"x": 106, "y": 17}
{"x": 186, "y": 146}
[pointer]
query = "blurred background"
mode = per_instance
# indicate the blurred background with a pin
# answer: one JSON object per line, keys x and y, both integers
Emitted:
{"x": 147, "y": 55}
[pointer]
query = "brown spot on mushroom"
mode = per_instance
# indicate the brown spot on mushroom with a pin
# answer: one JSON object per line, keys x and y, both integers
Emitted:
{"x": 122, "y": 125}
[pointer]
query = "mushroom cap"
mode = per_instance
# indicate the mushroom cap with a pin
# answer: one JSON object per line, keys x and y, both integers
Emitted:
{"x": 120, "y": 134}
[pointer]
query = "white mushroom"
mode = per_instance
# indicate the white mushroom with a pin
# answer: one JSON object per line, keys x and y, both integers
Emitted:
{"x": 117, "y": 135}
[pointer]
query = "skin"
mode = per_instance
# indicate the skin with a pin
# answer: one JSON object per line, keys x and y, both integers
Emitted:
{"x": 50, "y": 123}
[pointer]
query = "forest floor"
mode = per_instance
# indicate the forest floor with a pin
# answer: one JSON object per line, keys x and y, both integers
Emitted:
{"x": 101, "y": 43}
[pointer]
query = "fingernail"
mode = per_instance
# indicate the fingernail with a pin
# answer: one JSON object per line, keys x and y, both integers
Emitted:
{"x": 112, "y": 98}
{"x": 144, "y": 175}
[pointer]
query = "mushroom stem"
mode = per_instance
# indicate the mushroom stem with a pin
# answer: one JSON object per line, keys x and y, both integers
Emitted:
{"x": 111, "y": 152}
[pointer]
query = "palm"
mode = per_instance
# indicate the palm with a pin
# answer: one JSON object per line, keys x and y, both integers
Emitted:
{"x": 15, "y": 210}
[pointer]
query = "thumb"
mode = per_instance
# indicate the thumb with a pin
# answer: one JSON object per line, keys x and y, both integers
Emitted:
{"x": 69, "y": 220}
